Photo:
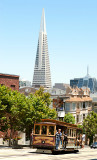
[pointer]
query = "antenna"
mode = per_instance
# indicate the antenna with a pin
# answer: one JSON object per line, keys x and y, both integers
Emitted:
{"x": 87, "y": 70}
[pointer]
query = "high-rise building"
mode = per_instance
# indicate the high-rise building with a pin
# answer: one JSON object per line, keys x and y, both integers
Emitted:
{"x": 86, "y": 81}
{"x": 42, "y": 75}
{"x": 24, "y": 83}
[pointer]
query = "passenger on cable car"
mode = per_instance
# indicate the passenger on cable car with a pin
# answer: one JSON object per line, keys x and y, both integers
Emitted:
{"x": 58, "y": 138}
{"x": 65, "y": 140}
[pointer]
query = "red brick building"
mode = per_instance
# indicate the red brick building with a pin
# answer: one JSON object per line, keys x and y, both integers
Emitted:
{"x": 11, "y": 81}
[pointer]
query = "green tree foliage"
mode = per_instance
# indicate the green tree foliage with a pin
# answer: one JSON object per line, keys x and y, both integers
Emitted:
{"x": 45, "y": 96}
{"x": 9, "y": 102}
{"x": 18, "y": 112}
{"x": 40, "y": 102}
{"x": 90, "y": 125}
{"x": 69, "y": 118}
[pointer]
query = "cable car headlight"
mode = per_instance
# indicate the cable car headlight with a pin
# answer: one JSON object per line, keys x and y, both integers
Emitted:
{"x": 43, "y": 142}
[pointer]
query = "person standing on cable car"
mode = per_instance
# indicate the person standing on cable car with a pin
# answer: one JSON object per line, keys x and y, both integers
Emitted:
{"x": 65, "y": 141}
{"x": 58, "y": 138}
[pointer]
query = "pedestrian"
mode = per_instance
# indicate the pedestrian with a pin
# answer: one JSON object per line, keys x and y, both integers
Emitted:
{"x": 31, "y": 138}
{"x": 83, "y": 140}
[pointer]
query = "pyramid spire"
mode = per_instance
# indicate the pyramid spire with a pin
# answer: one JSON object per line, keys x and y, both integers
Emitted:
{"x": 42, "y": 75}
{"x": 43, "y": 24}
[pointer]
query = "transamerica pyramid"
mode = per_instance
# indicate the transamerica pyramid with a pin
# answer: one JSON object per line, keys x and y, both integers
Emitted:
{"x": 42, "y": 75}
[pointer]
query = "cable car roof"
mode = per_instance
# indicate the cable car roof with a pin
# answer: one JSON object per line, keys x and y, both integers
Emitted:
{"x": 60, "y": 123}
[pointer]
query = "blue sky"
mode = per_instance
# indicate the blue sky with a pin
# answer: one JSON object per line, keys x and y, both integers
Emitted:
{"x": 71, "y": 31}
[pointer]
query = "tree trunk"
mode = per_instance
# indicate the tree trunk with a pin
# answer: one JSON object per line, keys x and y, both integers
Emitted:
{"x": 31, "y": 137}
{"x": 10, "y": 138}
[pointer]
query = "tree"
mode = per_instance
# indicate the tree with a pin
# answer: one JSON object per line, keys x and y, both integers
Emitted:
{"x": 19, "y": 113}
{"x": 45, "y": 96}
{"x": 90, "y": 125}
{"x": 34, "y": 108}
{"x": 9, "y": 120}
{"x": 40, "y": 102}
{"x": 69, "y": 118}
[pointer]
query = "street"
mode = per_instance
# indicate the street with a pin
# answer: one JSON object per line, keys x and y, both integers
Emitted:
{"x": 29, "y": 154}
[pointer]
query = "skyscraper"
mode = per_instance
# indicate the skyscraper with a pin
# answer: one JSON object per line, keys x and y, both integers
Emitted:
{"x": 42, "y": 75}
{"x": 86, "y": 81}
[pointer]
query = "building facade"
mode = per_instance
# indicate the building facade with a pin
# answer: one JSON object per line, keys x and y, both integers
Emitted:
{"x": 94, "y": 101}
{"x": 11, "y": 81}
{"x": 61, "y": 86}
{"x": 76, "y": 101}
{"x": 27, "y": 90}
{"x": 24, "y": 83}
{"x": 42, "y": 75}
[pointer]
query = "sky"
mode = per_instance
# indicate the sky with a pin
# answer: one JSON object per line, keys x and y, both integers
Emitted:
{"x": 71, "y": 32}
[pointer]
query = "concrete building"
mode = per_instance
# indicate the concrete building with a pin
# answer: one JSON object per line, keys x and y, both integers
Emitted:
{"x": 42, "y": 75}
{"x": 11, "y": 81}
{"x": 24, "y": 83}
{"x": 61, "y": 86}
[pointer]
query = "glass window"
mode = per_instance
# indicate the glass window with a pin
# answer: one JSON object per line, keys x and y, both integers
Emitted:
{"x": 74, "y": 133}
{"x": 77, "y": 118}
{"x": 44, "y": 130}
{"x": 73, "y": 106}
{"x": 90, "y": 104}
{"x": 83, "y": 116}
{"x": 83, "y": 104}
{"x": 37, "y": 129}
{"x": 70, "y": 132}
{"x": 51, "y": 130}
{"x": 67, "y": 106}
{"x": 77, "y": 105}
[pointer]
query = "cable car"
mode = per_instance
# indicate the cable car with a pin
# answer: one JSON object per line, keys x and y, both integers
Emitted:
{"x": 44, "y": 136}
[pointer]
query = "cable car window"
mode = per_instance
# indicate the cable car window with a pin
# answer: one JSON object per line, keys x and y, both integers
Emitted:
{"x": 44, "y": 130}
{"x": 72, "y": 132}
{"x": 51, "y": 130}
{"x": 68, "y": 132}
{"x": 37, "y": 129}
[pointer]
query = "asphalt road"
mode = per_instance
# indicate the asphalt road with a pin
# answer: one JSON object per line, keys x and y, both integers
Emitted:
{"x": 30, "y": 154}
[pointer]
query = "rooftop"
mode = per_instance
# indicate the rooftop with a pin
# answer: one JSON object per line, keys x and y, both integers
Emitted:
{"x": 9, "y": 75}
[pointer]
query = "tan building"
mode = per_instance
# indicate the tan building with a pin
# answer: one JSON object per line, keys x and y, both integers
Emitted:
{"x": 76, "y": 101}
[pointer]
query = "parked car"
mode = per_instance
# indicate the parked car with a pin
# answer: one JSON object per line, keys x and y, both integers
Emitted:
{"x": 94, "y": 145}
